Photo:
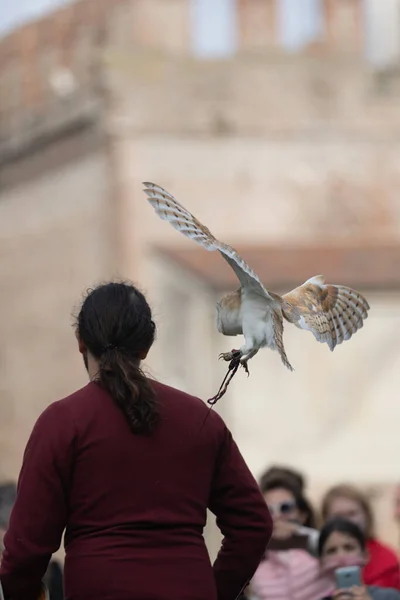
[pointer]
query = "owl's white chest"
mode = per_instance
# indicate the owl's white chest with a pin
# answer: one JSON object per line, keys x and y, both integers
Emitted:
{"x": 257, "y": 318}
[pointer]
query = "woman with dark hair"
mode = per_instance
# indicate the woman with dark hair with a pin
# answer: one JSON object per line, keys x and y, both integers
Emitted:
{"x": 289, "y": 571}
{"x": 342, "y": 544}
{"x": 275, "y": 471}
{"x": 128, "y": 467}
{"x": 347, "y": 501}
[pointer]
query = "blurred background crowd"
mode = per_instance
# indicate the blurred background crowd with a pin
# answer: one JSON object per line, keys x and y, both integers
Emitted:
{"x": 277, "y": 123}
{"x": 310, "y": 542}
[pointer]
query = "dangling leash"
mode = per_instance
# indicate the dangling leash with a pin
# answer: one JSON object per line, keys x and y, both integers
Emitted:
{"x": 232, "y": 370}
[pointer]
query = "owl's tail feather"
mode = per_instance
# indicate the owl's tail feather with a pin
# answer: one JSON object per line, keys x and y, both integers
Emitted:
{"x": 278, "y": 339}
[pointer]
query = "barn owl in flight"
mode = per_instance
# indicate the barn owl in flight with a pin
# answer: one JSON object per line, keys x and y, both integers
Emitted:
{"x": 333, "y": 313}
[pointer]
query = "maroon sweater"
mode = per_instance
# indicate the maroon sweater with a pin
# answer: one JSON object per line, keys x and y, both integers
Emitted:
{"x": 133, "y": 507}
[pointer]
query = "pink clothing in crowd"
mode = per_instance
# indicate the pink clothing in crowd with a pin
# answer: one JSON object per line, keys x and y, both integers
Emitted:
{"x": 290, "y": 575}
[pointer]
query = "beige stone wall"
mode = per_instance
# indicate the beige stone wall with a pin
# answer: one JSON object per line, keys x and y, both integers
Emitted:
{"x": 250, "y": 190}
{"x": 53, "y": 245}
{"x": 336, "y": 417}
{"x": 261, "y": 94}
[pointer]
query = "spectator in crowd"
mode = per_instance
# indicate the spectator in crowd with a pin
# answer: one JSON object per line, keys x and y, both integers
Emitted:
{"x": 294, "y": 477}
{"x": 346, "y": 501}
{"x": 342, "y": 544}
{"x": 396, "y": 507}
{"x": 53, "y": 576}
{"x": 307, "y": 534}
{"x": 129, "y": 466}
{"x": 288, "y": 570}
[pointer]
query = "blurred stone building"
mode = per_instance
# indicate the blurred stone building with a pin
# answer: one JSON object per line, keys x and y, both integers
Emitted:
{"x": 280, "y": 129}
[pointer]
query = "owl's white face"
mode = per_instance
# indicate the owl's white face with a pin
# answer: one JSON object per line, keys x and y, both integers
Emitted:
{"x": 228, "y": 314}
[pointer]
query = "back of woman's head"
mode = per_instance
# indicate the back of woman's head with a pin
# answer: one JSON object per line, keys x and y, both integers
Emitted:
{"x": 339, "y": 525}
{"x": 115, "y": 326}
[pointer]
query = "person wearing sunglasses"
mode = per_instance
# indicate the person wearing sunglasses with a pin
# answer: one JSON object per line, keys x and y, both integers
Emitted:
{"x": 288, "y": 571}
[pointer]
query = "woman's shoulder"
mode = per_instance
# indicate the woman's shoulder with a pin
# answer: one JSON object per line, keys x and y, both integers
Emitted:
{"x": 60, "y": 412}
{"x": 187, "y": 405}
{"x": 380, "y": 593}
{"x": 170, "y": 392}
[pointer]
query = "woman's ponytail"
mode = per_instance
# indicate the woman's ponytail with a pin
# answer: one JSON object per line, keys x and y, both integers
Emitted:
{"x": 122, "y": 377}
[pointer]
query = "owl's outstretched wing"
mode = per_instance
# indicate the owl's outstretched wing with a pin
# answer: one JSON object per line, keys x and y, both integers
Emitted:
{"x": 169, "y": 209}
{"x": 333, "y": 313}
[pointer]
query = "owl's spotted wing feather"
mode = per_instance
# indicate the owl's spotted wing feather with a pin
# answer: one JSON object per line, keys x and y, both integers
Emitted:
{"x": 169, "y": 209}
{"x": 333, "y": 313}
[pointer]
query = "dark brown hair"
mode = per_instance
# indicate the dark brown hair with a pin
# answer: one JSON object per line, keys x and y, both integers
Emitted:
{"x": 302, "y": 503}
{"x": 294, "y": 477}
{"x": 115, "y": 325}
{"x": 350, "y": 492}
{"x": 340, "y": 526}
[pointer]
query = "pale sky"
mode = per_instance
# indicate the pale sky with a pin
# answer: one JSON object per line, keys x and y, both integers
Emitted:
{"x": 17, "y": 12}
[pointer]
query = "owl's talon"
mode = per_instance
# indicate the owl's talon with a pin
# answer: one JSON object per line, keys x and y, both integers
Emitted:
{"x": 228, "y": 356}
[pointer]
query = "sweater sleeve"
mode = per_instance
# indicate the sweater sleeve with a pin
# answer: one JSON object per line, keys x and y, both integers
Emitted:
{"x": 381, "y": 593}
{"x": 243, "y": 518}
{"x": 39, "y": 514}
{"x": 390, "y": 578}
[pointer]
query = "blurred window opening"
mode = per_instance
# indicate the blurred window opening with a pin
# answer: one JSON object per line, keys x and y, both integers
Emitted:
{"x": 382, "y": 32}
{"x": 213, "y": 28}
{"x": 300, "y": 22}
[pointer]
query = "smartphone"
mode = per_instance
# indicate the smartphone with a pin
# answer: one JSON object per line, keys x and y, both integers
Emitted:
{"x": 347, "y": 577}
